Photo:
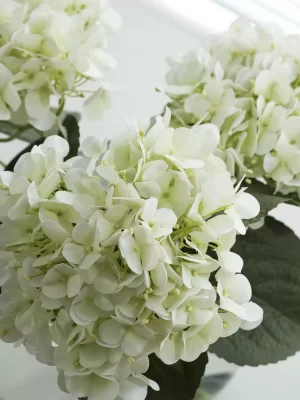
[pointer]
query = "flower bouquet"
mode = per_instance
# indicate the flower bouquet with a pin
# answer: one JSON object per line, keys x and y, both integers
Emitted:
{"x": 121, "y": 261}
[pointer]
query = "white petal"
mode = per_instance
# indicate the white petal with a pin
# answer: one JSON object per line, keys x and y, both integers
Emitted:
{"x": 247, "y": 206}
{"x": 57, "y": 290}
{"x": 201, "y": 282}
{"x": 86, "y": 312}
{"x": 157, "y": 168}
{"x": 170, "y": 350}
{"x": 33, "y": 195}
{"x": 4, "y": 111}
{"x": 177, "y": 90}
{"x": 11, "y": 97}
{"x": 104, "y": 303}
{"x": 193, "y": 347}
{"x": 95, "y": 106}
{"x": 78, "y": 385}
{"x": 159, "y": 275}
{"x": 83, "y": 233}
{"x": 231, "y": 324}
{"x": 51, "y": 304}
{"x": 133, "y": 343}
{"x": 165, "y": 218}
{"x": 44, "y": 124}
{"x": 253, "y": 316}
{"x": 107, "y": 283}
{"x": 199, "y": 317}
{"x": 73, "y": 253}
{"x": 186, "y": 277}
{"x": 133, "y": 389}
{"x": 59, "y": 144}
{"x": 92, "y": 355}
{"x": 55, "y": 231}
{"x": 108, "y": 173}
{"x": 37, "y": 105}
{"x": 65, "y": 197}
{"x": 150, "y": 257}
{"x": 232, "y": 262}
{"x": 18, "y": 185}
{"x": 92, "y": 146}
{"x": 83, "y": 204}
{"x": 105, "y": 228}
{"x": 111, "y": 332}
{"x": 49, "y": 184}
{"x": 128, "y": 247}
{"x": 115, "y": 213}
{"x": 141, "y": 366}
{"x": 239, "y": 289}
{"x": 101, "y": 389}
{"x": 270, "y": 162}
{"x": 221, "y": 224}
{"x": 46, "y": 215}
{"x": 89, "y": 260}
{"x": 212, "y": 330}
{"x": 19, "y": 210}
{"x": 7, "y": 177}
{"x": 74, "y": 285}
{"x": 111, "y": 20}
{"x": 231, "y": 306}
{"x": 185, "y": 163}
{"x": 148, "y": 189}
{"x": 25, "y": 321}
{"x": 102, "y": 59}
{"x": 149, "y": 382}
{"x": 149, "y": 209}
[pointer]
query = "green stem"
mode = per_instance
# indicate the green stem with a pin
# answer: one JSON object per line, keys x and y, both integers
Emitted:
{"x": 184, "y": 231}
{"x": 61, "y": 106}
{"x": 16, "y": 135}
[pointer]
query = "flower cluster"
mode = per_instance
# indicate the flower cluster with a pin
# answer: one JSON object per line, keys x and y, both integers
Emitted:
{"x": 247, "y": 83}
{"x": 52, "y": 47}
{"x": 123, "y": 252}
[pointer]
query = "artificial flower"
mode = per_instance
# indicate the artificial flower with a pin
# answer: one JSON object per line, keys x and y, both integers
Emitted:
{"x": 246, "y": 83}
{"x": 51, "y": 48}
{"x": 114, "y": 255}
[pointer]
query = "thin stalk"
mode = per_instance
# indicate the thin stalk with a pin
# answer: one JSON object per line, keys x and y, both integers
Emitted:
{"x": 16, "y": 135}
{"x": 61, "y": 106}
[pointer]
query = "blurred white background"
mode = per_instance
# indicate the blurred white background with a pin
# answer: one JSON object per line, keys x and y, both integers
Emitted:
{"x": 153, "y": 29}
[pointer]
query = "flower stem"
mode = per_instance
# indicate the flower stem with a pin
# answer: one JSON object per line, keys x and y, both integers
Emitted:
{"x": 16, "y": 134}
{"x": 61, "y": 106}
{"x": 184, "y": 231}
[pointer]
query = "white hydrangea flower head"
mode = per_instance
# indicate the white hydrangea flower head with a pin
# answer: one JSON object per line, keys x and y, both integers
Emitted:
{"x": 247, "y": 83}
{"x": 120, "y": 253}
{"x": 51, "y": 47}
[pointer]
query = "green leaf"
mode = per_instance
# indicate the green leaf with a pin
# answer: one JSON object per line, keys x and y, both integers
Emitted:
{"x": 272, "y": 265}
{"x": 179, "y": 381}
{"x": 71, "y": 125}
{"x": 267, "y": 199}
